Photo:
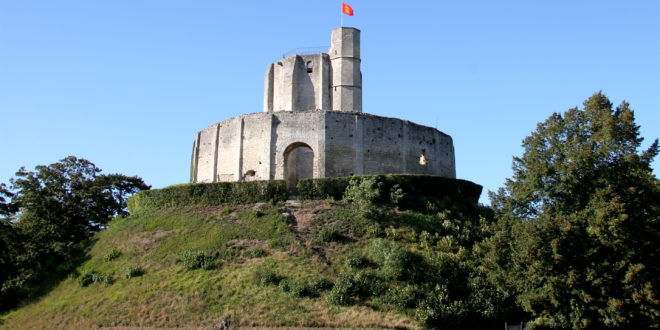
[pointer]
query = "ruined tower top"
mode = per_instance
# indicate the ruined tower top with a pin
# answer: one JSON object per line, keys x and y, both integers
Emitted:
{"x": 324, "y": 81}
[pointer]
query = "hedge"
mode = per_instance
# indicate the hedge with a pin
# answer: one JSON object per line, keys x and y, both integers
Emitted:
{"x": 417, "y": 189}
{"x": 209, "y": 194}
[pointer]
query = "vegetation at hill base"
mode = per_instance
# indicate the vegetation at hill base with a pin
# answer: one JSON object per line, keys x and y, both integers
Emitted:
{"x": 46, "y": 219}
{"x": 571, "y": 241}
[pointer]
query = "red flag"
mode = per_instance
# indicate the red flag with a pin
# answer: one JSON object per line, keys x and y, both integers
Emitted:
{"x": 346, "y": 9}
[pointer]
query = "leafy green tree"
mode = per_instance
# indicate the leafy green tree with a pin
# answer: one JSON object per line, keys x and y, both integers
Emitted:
{"x": 48, "y": 212}
{"x": 580, "y": 224}
{"x": 67, "y": 201}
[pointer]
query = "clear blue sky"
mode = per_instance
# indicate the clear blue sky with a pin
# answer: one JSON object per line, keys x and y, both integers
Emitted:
{"x": 127, "y": 83}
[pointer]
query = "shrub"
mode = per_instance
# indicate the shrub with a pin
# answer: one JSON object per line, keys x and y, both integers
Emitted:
{"x": 394, "y": 260}
{"x": 396, "y": 194}
{"x": 102, "y": 278}
{"x": 322, "y": 188}
{"x": 342, "y": 291}
{"x": 318, "y": 284}
{"x": 112, "y": 255}
{"x": 367, "y": 284}
{"x": 404, "y": 297}
{"x": 255, "y": 253}
{"x": 329, "y": 234}
{"x": 133, "y": 272}
{"x": 194, "y": 259}
{"x": 310, "y": 287}
{"x": 264, "y": 277}
{"x": 85, "y": 279}
{"x": 410, "y": 191}
{"x": 89, "y": 277}
{"x": 364, "y": 191}
{"x": 356, "y": 260}
{"x": 209, "y": 194}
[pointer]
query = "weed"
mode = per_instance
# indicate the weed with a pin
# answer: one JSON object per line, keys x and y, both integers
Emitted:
{"x": 266, "y": 277}
{"x": 310, "y": 287}
{"x": 329, "y": 234}
{"x": 356, "y": 260}
{"x": 90, "y": 277}
{"x": 363, "y": 191}
{"x": 112, "y": 255}
{"x": 195, "y": 259}
{"x": 342, "y": 291}
{"x": 394, "y": 260}
{"x": 367, "y": 284}
{"x": 226, "y": 211}
{"x": 133, "y": 272}
{"x": 255, "y": 253}
{"x": 403, "y": 297}
{"x": 396, "y": 194}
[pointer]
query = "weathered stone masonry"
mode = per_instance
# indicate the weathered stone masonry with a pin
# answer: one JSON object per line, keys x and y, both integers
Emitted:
{"x": 313, "y": 126}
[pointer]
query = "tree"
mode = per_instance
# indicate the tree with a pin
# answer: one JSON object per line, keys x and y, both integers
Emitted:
{"x": 584, "y": 207}
{"x": 49, "y": 211}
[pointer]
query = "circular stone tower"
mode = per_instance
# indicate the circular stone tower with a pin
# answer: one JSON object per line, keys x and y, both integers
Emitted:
{"x": 312, "y": 125}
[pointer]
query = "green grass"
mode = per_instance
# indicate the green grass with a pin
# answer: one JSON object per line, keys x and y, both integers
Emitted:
{"x": 263, "y": 270}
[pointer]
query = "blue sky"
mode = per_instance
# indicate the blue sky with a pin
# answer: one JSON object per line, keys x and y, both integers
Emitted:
{"x": 128, "y": 83}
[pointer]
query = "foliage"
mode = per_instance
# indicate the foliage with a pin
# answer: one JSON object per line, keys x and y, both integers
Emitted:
{"x": 342, "y": 291}
{"x": 578, "y": 237}
{"x": 395, "y": 260}
{"x": 292, "y": 288}
{"x": 255, "y": 253}
{"x": 209, "y": 194}
{"x": 396, "y": 194}
{"x": 112, "y": 255}
{"x": 267, "y": 276}
{"x": 91, "y": 277}
{"x": 310, "y": 287}
{"x": 133, "y": 271}
{"x": 363, "y": 191}
{"x": 355, "y": 260}
{"x": 329, "y": 234}
{"x": 408, "y": 191}
{"x": 45, "y": 216}
{"x": 195, "y": 259}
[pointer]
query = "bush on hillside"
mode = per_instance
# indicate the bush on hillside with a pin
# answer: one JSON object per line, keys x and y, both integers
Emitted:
{"x": 329, "y": 234}
{"x": 310, "y": 287}
{"x": 394, "y": 260}
{"x": 195, "y": 259}
{"x": 112, "y": 255}
{"x": 133, "y": 272}
{"x": 90, "y": 277}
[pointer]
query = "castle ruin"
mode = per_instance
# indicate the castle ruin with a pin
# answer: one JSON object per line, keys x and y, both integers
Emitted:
{"x": 312, "y": 126}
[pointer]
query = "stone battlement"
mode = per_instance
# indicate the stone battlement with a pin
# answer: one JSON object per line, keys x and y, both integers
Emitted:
{"x": 313, "y": 127}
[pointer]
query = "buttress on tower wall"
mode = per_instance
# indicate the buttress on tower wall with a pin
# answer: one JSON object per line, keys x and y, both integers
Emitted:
{"x": 312, "y": 125}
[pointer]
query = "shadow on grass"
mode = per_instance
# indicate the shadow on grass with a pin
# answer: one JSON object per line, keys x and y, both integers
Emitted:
{"x": 50, "y": 271}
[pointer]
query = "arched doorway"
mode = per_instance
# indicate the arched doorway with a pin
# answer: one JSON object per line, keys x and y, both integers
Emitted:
{"x": 298, "y": 164}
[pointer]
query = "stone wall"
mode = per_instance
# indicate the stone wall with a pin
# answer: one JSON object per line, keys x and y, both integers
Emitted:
{"x": 318, "y": 81}
{"x": 256, "y": 146}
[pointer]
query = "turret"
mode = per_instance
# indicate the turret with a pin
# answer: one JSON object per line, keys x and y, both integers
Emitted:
{"x": 346, "y": 76}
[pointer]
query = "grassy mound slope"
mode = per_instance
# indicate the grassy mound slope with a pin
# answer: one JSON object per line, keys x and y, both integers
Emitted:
{"x": 324, "y": 263}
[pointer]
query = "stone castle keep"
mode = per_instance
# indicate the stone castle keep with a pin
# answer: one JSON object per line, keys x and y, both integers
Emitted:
{"x": 312, "y": 126}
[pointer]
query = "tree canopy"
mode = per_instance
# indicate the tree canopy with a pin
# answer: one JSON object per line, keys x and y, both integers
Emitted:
{"x": 579, "y": 220}
{"x": 49, "y": 211}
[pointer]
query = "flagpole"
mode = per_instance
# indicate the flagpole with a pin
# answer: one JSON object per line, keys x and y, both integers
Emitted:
{"x": 341, "y": 16}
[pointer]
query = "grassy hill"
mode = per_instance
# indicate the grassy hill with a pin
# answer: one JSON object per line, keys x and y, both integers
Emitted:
{"x": 313, "y": 263}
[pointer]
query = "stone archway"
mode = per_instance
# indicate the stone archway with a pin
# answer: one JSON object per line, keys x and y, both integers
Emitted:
{"x": 298, "y": 164}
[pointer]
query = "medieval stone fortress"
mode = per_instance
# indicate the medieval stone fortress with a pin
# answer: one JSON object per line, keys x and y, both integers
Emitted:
{"x": 312, "y": 126}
